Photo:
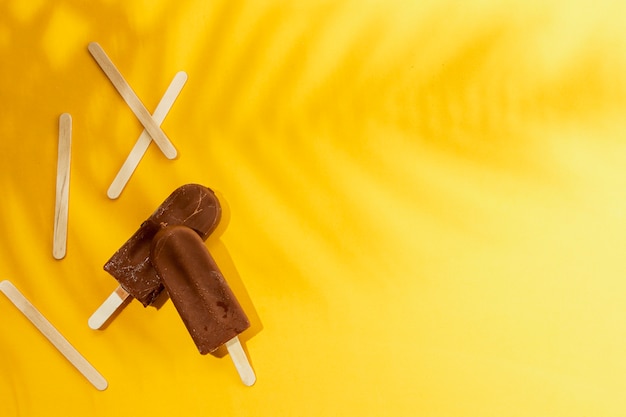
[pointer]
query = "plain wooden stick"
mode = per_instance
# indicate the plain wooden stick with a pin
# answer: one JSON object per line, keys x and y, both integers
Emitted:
{"x": 59, "y": 244}
{"x": 239, "y": 358}
{"x": 53, "y": 335}
{"x": 129, "y": 96}
{"x": 141, "y": 146}
{"x": 108, "y": 308}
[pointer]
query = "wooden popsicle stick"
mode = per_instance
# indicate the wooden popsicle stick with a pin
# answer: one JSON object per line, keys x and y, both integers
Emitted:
{"x": 53, "y": 335}
{"x": 107, "y": 309}
{"x": 59, "y": 244}
{"x": 129, "y": 96}
{"x": 239, "y": 358}
{"x": 141, "y": 146}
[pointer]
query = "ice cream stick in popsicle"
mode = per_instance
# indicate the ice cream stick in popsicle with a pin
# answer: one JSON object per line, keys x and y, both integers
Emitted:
{"x": 108, "y": 308}
{"x": 129, "y": 96}
{"x": 59, "y": 244}
{"x": 141, "y": 146}
{"x": 240, "y": 359}
{"x": 53, "y": 335}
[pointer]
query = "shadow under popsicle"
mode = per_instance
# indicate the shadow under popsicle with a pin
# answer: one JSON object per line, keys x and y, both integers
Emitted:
{"x": 226, "y": 264}
{"x": 220, "y": 253}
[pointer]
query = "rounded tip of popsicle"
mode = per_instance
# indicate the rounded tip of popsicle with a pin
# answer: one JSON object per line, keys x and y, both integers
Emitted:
{"x": 99, "y": 317}
{"x": 101, "y": 384}
{"x": 182, "y": 75}
{"x": 249, "y": 380}
{"x": 171, "y": 153}
{"x": 113, "y": 194}
{"x": 94, "y": 323}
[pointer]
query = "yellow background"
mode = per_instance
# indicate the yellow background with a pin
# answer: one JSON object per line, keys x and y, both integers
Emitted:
{"x": 426, "y": 204}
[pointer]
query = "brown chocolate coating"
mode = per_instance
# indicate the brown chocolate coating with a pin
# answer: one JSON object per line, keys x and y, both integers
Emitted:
{"x": 192, "y": 205}
{"x": 197, "y": 288}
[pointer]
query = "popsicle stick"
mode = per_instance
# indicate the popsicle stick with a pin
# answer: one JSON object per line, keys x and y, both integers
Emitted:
{"x": 239, "y": 358}
{"x": 53, "y": 335}
{"x": 107, "y": 309}
{"x": 59, "y": 244}
{"x": 129, "y": 96}
{"x": 141, "y": 146}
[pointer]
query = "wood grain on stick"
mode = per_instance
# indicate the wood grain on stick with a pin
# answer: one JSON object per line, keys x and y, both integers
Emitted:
{"x": 129, "y": 96}
{"x": 240, "y": 360}
{"x": 59, "y": 244}
{"x": 53, "y": 335}
{"x": 108, "y": 308}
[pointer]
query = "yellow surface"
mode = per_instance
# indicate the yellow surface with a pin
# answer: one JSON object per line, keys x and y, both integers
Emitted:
{"x": 426, "y": 204}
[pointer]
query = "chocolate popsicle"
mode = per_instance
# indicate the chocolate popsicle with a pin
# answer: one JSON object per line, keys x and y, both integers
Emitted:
{"x": 192, "y": 205}
{"x": 200, "y": 293}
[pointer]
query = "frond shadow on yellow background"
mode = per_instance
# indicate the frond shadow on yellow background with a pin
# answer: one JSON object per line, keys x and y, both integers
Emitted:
{"x": 424, "y": 203}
